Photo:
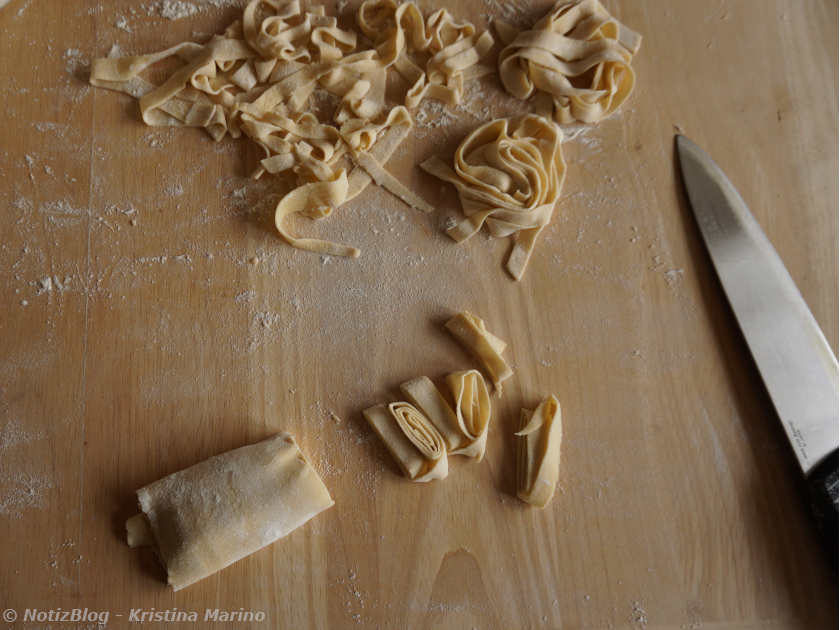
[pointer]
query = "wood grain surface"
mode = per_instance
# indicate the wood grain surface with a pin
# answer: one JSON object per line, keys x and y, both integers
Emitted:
{"x": 152, "y": 318}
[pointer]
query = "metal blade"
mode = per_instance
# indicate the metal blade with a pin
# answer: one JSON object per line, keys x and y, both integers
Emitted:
{"x": 792, "y": 355}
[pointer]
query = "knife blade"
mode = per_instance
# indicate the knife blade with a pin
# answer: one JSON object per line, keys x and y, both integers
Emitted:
{"x": 791, "y": 353}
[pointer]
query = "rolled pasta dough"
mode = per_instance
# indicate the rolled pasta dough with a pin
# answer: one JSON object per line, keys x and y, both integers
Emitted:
{"x": 210, "y": 515}
{"x": 425, "y": 396}
{"x": 412, "y": 440}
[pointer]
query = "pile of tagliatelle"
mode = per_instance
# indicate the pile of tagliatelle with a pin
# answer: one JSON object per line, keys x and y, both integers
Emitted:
{"x": 260, "y": 76}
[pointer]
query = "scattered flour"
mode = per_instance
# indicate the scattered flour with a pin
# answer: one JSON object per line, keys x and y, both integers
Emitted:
{"x": 175, "y": 190}
{"x": 639, "y": 615}
{"x": 45, "y": 285}
{"x": 59, "y": 129}
{"x": 122, "y": 24}
{"x": 74, "y": 60}
{"x": 21, "y": 491}
{"x": 22, "y": 9}
{"x": 245, "y": 297}
{"x": 176, "y": 9}
{"x": 510, "y": 11}
{"x": 673, "y": 276}
{"x": 180, "y": 9}
{"x": 13, "y": 434}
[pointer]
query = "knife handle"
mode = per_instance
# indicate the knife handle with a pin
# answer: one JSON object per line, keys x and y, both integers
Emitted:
{"x": 822, "y": 486}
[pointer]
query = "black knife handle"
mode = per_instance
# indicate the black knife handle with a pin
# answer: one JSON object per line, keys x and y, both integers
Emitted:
{"x": 822, "y": 485}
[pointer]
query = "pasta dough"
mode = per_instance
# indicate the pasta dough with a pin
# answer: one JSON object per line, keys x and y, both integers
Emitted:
{"x": 218, "y": 511}
{"x": 260, "y": 77}
{"x": 471, "y": 332}
{"x": 412, "y": 440}
{"x": 452, "y": 49}
{"x": 538, "y": 453}
{"x": 423, "y": 394}
{"x": 420, "y": 434}
{"x": 576, "y": 59}
{"x": 509, "y": 174}
{"x": 472, "y": 411}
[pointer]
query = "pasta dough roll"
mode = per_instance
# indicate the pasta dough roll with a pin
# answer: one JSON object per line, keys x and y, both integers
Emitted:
{"x": 411, "y": 439}
{"x": 472, "y": 411}
{"x": 423, "y": 394}
{"x": 471, "y": 332}
{"x": 538, "y": 453}
{"x": 218, "y": 511}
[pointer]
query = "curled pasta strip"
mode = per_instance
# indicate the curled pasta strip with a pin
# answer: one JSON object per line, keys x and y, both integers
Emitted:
{"x": 315, "y": 200}
{"x": 577, "y": 58}
{"x": 538, "y": 452}
{"x": 452, "y": 49}
{"x": 412, "y": 440}
{"x": 472, "y": 411}
{"x": 277, "y": 29}
{"x": 191, "y": 95}
{"x": 472, "y": 333}
{"x": 509, "y": 174}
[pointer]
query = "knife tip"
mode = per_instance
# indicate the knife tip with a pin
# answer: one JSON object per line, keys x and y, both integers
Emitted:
{"x": 682, "y": 143}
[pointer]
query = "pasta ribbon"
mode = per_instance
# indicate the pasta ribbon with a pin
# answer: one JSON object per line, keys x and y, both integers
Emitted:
{"x": 538, "y": 452}
{"x": 471, "y": 332}
{"x": 509, "y": 174}
{"x": 472, "y": 411}
{"x": 259, "y": 79}
{"x": 452, "y": 49}
{"x": 576, "y": 59}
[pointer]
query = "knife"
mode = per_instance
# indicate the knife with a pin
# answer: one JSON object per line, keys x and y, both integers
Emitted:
{"x": 793, "y": 357}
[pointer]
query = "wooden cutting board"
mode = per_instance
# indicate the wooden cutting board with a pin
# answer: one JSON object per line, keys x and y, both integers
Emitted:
{"x": 152, "y": 318}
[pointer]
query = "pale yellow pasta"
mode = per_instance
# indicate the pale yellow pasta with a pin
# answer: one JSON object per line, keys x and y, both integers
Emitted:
{"x": 453, "y": 49}
{"x": 413, "y": 441}
{"x": 576, "y": 60}
{"x": 509, "y": 174}
{"x": 472, "y": 411}
{"x": 259, "y": 79}
{"x": 423, "y": 394}
{"x": 538, "y": 452}
{"x": 471, "y": 332}
{"x": 208, "y": 516}
{"x": 137, "y": 532}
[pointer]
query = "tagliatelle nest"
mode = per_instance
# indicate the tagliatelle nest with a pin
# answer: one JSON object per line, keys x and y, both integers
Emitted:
{"x": 258, "y": 79}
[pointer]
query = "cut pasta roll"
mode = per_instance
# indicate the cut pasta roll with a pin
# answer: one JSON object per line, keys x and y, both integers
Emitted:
{"x": 538, "y": 452}
{"x": 472, "y": 411}
{"x": 413, "y": 441}
{"x": 471, "y": 332}
{"x": 423, "y": 394}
